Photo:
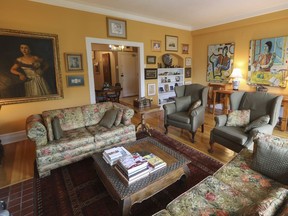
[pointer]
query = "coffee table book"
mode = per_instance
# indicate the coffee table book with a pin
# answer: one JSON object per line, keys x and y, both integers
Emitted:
{"x": 127, "y": 180}
{"x": 112, "y": 155}
{"x": 132, "y": 163}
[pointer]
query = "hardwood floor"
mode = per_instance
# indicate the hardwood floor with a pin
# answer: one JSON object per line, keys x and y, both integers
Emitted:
{"x": 18, "y": 162}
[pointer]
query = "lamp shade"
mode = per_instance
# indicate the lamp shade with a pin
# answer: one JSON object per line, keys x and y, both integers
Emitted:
{"x": 236, "y": 73}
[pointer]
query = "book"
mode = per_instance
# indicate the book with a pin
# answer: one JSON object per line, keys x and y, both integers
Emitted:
{"x": 132, "y": 163}
{"x": 111, "y": 156}
{"x": 127, "y": 180}
{"x": 155, "y": 163}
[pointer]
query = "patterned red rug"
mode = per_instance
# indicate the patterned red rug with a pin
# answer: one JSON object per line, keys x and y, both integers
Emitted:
{"x": 76, "y": 189}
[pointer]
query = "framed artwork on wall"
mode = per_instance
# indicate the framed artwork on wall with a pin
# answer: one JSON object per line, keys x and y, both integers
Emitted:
{"x": 116, "y": 27}
{"x": 188, "y": 61}
{"x": 268, "y": 62}
{"x": 75, "y": 80}
{"x": 185, "y": 48}
{"x": 156, "y": 45}
{"x": 29, "y": 67}
{"x": 171, "y": 43}
{"x": 73, "y": 62}
{"x": 220, "y": 62}
{"x": 188, "y": 72}
{"x": 151, "y": 60}
{"x": 151, "y": 89}
{"x": 150, "y": 73}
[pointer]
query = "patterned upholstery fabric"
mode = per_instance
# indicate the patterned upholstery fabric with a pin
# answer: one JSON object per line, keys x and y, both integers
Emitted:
{"x": 82, "y": 136}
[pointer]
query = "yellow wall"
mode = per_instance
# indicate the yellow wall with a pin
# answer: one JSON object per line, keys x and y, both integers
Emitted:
{"x": 72, "y": 27}
{"x": 240, "y": 33}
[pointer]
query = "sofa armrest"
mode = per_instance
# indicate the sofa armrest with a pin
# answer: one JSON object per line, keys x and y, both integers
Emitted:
{"x": 220, "y": 120}
{"x": 35, "y": 130}
{"x": 128, "y": 113}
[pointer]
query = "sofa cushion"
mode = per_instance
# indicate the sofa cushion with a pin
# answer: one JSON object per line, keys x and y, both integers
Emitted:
{"x": 270, "y": 157}
{"x": 109, "y": 118}
{"x": 119, "y": 116}
{"x": 268, "y": 206}
{"x": 236, "y": 134}
{"x": 194, "y": 105}
{"x": 127, "y": 113}
{"x": 183, "y": 103}
{"x": 56, "y": 127}
{"x": 93, "y": 113}
{"x": 261, "y": 121}
{"x": 238, "y": 118}
{"x": 180, "y": 117}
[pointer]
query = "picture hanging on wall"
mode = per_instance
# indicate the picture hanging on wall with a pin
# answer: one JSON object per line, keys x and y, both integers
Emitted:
{"x": 220, "y": 62}
{"x": 268, "y": 61}
{"x": 187, "y": 72}
{"x": 29, "y": 67}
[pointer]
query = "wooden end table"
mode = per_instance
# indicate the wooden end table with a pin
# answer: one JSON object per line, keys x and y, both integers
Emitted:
{"x": 146, "y": 187}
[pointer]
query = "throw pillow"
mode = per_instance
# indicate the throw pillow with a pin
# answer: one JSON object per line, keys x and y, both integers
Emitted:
{"x": 108, "y": 118}
{"x": 56, "y": 127}
{"x": 270, "y": 157}
{"x": 261, "y": 121}
{"x": 183, "y": 103}
{"x": 268, "y": 206}
{"x": 238, "y": 118}
{"x": 194, "y": 105}
{"x": 119, "y": 116}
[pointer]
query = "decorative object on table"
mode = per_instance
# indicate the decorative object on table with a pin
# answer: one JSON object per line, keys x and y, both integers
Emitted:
{"x": 161, "y": 89}
{"x": 185, "y": 48}
{"x": 171, "y": 43}
{"x": 166, "y": 87}
{"x": 261, "y": 88}
{"x": 73, "y": 81}
{"x": 236, "y": 75}
{"x": 73, "y": 62}
{"x": 44, "y": 64}
{"x": 188, "y": 72}
{"x": 220, "y": 62}
{"x": 106, "y": 86}
{"x": 268, "y": 59}
{"x": 156, "y": 45}
{"x": 151, "y": 90}
{"x": 116, "y": 28}
{"x": 188, "y": 62}
{"x": 150, "y": 73}
{"x": 151, "y": 60}
{"x": 167, "y": 60}
{"x": 177, "y": 78}
{"x": 142, "y": 102}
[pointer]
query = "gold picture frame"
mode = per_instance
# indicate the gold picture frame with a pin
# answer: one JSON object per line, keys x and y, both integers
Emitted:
{"x": 73, "y": 62}
{"x": 39, "y": 79}
{"x": 185, "y": 48}
{"x": 116, "y": 27}
{"x": 171, "y": 43}
{"x": 156, "y": 45}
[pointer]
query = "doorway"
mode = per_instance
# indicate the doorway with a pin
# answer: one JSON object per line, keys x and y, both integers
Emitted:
{"x": 140, "y": 68}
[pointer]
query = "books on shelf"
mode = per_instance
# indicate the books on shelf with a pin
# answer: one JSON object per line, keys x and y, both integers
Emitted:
{"x": 112, "y": 155}
{"x": 155, "y": 163}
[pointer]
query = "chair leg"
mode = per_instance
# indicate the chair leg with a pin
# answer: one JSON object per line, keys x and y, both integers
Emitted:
{"x": 211, "y": 150}
{"x": 166, "y": 129}
{"x": 193, "y": 135}
{"x": 202, "y": 128}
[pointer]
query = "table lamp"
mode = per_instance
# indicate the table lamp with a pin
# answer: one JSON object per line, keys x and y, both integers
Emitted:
{"x": 236, "y": 74}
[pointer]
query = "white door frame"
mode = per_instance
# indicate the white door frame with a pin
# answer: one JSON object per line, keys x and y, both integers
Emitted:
{"x": 90, "y": 41}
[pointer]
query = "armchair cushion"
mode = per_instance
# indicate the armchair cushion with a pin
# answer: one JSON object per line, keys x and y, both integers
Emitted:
{"x": 194, "y": 105}
{"x": 180, "y": 117}
{"x": 109, "y": 118}
{"x": 270, "y": 157}
{"x": 263, "y": 120}
{"x": 238, "y": 118}
{"x": 183, "y": 103}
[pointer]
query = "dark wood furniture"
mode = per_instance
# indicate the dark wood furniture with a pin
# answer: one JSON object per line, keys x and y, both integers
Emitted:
{"x": 212, "y": 98}
{"x": 111, "y": 94}
{"x": 146, "y": 187}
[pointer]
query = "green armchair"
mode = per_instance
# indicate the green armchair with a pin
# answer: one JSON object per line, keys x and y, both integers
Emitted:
{"x": 188, "y": 111}
{"x": 264, "y": 111}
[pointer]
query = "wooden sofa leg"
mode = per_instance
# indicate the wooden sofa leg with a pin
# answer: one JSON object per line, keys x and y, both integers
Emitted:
{"x": 211, "y": 150}
{"x": 166, "y": 129}
{"x": 193, "y": 135}
{"x": 202, "y": 128}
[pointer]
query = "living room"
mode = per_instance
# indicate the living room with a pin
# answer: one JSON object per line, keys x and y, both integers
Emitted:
{"x": 73, "y": 26}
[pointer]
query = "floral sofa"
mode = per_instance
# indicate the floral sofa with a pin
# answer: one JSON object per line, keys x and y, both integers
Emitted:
{"x": 237, "y": 189}
{"x": 82, "y": 135}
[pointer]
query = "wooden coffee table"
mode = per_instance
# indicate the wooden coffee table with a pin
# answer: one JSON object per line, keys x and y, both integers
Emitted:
{"x": 146, "y": 187}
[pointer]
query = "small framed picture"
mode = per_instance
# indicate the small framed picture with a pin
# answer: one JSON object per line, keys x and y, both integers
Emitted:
{"x": 151, "y": 60}
{"x": 188, "y": 61}
{"x": 151, "y": 89}
{"x": 185, "y": 48}
{"x": 150, "y": 73}
{"x": 187, "y": 72}
{"x": 73, "y": 62}
{"x": 171, "y": 43}
{"x": 116, "y": 28}
{"x": 156, "y": 45}
{"x": 74, "y": 80}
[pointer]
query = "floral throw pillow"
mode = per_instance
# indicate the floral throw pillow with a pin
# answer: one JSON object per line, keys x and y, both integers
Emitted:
{"x": 119, "y": 117}
{"x": 194, "y": 105}
{"x": 238, "y": 118}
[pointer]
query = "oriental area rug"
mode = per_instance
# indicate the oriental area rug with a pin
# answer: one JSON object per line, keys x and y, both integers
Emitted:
{"x": 77, "y": 190}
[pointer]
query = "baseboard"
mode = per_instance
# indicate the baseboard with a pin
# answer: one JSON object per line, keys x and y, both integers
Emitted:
{"x": 13, "y": 137}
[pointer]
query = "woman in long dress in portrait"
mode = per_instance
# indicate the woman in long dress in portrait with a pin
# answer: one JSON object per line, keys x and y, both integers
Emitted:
{"x": 34, "y": 69}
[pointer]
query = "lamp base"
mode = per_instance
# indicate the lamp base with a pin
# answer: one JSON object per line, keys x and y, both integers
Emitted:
{"x": 235, "y": 85}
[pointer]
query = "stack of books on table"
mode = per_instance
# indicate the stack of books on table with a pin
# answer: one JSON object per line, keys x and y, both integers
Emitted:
{"x": 131, "y": 168}
{"x": 112, "y": 155}
{"x": 154, "y": 162}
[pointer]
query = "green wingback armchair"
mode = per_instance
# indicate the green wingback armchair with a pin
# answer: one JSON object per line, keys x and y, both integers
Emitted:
{"x": 260, "y": 105}
{"x": 188, "y": 111}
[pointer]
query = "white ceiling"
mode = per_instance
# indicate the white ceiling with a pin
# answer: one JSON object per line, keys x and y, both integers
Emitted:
{"x": 181, "y": 14}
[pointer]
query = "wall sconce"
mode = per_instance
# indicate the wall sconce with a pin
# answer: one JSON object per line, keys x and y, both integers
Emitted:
{"x": 236, "y": 75}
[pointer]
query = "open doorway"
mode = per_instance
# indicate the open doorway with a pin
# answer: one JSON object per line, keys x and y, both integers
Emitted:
{"x": 140, "y": 67}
